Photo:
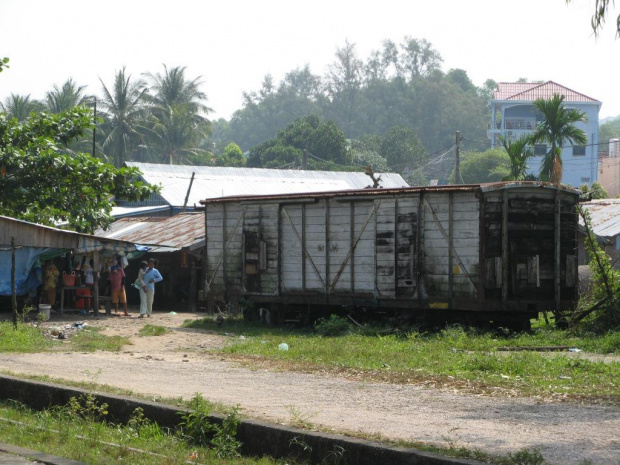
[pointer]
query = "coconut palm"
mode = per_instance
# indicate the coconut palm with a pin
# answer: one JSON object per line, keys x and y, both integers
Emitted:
{"x": 556, "y": 129}
{"x": 123, "y": 112}
{"x": 66, "y": 97}
{"x": 177, "y": 114}
{"x": 19, "y": 106}
{"x": 519, "y": 152}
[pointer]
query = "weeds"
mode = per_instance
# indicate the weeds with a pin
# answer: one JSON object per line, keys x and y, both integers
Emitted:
{"x": 299, "y": 419}
{"x": 153, "y": 330}
{"x": 527, "y": 457}
{"x": 332, "y": 326}
{"x": 87, "y": 407}
{"x": 196, "y": 426}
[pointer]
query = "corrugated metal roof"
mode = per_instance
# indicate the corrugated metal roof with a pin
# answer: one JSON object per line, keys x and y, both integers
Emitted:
{"x": 120, "y": 212}
{"x": 605, "y": 216}
{"x": 212, "y": 182}
{"x": 487, "y": 187}
{"x": 176, "y": 232}
{"x": 36, "y": 235}
{"x": 530, "y": 91}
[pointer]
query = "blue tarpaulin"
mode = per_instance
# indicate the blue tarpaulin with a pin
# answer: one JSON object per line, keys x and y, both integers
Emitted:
{"x": 27, "y": 270}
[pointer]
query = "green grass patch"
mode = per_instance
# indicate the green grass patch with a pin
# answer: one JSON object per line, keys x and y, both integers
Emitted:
{"x": 453, "y": 356}
{"x": 24, "y": 338}
{"x": 88, "y": 340}
{"x": 153, "y": 330}
{"x": 75, "y": 433}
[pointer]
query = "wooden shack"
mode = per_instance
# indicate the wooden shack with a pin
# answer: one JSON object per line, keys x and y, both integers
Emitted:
{"x": 495, "y": 252}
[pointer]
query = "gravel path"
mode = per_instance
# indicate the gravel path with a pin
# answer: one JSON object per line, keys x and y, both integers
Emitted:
{"x": 175, "y": 365}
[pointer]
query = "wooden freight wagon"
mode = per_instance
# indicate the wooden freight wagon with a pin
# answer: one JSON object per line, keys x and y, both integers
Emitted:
{"x": 486, "y": 252}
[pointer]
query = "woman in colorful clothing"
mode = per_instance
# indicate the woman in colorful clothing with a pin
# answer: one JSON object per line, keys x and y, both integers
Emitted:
{"x": 49, "y": 282}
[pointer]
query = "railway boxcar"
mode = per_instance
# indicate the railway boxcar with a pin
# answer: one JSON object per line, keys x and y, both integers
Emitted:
{"x": 486, "y": 252}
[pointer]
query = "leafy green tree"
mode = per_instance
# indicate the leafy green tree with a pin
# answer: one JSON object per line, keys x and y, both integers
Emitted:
{"x": 556, "y": 129}
{"x": 479, "y": 167}
{"x": 40, "y": 183}
{"x": 402, "y": 148}
{"x": 274, "y": 154}
{"x": 365, "y": 152}
{"x": 123, "y": 107}
{"x": 609, "y": 130}
{"x": 65, "y": 97}
{"x": 177, "y": 115}
{"x": 232, "y": 156}
{"x": 419, "y": 58}
{"x": 4, "y": 63}
{"x": 597, "y": 191}
{"x": 519, "y": 153}
{"x": 20, "y": 107}
{"x": 343, "y": 85}
{"x": 323, "y": 142}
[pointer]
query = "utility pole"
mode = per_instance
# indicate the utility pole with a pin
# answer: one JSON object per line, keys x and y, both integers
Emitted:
{"x": 457, "y": 170}
{"x": 304, "y": 162}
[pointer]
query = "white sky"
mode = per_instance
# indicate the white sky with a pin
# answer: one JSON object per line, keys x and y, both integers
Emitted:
{"x": 233, "y": 44}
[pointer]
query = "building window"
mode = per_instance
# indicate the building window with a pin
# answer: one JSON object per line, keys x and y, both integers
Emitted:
{"x": 585, "y": 179}
{"x": 579, "y": 150}
{"x": 540, "y": 150}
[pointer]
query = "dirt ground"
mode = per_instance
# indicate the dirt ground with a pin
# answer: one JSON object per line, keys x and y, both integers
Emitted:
{"x": 178, "y": 364}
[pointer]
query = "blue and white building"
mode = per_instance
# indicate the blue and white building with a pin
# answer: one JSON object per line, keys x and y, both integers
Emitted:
{"x": 513, "y": 114}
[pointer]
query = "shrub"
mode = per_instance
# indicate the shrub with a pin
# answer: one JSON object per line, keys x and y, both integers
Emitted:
{"x": 332, "y": 326}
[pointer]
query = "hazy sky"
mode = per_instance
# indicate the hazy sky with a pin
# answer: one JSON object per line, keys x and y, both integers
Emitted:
{"x": 233, "y": 44}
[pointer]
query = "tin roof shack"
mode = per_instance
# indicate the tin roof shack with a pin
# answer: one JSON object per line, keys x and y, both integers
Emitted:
{"x": 34, "y": 241}
{"x": 188, "y": 185}
{"x": 177, "y": 243}
{"x": 605, "y": 223}
{"x": 485, "y": 252}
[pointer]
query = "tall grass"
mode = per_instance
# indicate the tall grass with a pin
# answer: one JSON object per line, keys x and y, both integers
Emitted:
{"x": 59, "y": 431}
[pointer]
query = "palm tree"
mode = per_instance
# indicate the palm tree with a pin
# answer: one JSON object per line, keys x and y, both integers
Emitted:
{"x": 64, "y": 98}
{"x": 19, "y": 107}
{"x": 519, "y": 152}
{"x": 178, "y": 110}
{"x": 123, "y": 111}
{"x": 557, "y": 128}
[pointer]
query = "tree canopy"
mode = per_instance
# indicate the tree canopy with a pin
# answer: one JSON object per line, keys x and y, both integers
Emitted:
{"x": 322, "y": 141}
{"x": 40, "y": 183}
{"x": 479, "y": 167}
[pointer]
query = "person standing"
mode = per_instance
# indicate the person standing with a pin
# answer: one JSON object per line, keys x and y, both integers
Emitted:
{"x": 115, "y": 277}
{"x": 49, "y": 282}
{"x": 143, "y": 267}
{"x": 151, "y": 276}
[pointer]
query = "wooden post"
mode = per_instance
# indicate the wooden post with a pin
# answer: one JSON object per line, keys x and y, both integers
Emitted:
{"x": 505, "y": 249}
{"x": 303, "y": 246}
{"x": 556, "y": 255}
{"x": 352, "y": 244}
{"x": 450, "y": 251}
{"x": 327, "y": 286}
{"x": 96, "y": 276}
{"x": 13, "y": 291}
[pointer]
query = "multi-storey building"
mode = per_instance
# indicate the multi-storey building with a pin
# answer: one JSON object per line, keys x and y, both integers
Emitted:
{"x": 513, "y": 114}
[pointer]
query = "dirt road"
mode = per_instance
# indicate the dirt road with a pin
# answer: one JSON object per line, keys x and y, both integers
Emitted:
{"x": 178, "y": 364}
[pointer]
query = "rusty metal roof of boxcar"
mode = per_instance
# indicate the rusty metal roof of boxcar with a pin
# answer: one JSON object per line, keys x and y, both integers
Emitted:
{"x": 183, "y": 230}
{"x": 212, "y": 181}
{"x": 403, "y": 190}
{"x": 605, "y": 216}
